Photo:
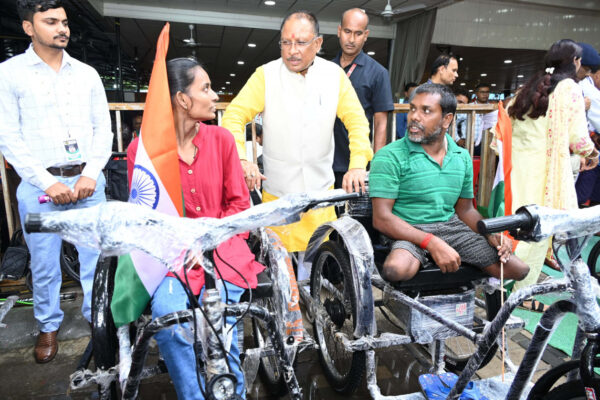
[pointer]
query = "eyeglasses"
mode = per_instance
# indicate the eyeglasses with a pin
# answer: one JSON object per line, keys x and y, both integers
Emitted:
{"x": 299, "y": 45}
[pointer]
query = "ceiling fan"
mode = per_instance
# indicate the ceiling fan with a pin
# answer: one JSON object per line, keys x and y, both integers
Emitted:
{"x": 193, "y": 44}
{"x": 388, "y": 12}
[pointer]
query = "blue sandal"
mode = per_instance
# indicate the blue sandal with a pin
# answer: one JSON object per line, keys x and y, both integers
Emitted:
{"x": 437, "y": 387}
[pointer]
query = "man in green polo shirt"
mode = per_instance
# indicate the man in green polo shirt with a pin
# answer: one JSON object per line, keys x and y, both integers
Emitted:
{"x": 422, "y": 190}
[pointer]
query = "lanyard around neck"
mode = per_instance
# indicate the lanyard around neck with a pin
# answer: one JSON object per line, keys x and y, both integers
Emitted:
{"x": 351, "y": 70}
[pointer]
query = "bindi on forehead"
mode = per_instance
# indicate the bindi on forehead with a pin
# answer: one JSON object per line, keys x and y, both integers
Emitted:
{"x": 293, "y": 36}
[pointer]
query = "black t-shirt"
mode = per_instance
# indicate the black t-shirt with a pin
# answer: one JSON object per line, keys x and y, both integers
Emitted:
{"x": 371, "y": 82}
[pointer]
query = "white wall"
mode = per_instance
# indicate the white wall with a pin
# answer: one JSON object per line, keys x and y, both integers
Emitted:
{"x": 486, "y": 23}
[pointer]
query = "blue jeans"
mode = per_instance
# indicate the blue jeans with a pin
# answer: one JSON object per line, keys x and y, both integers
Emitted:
{"x": 45, "y": 255}
{"x": 587, "y": 186}
{"x": 177, "y": 348}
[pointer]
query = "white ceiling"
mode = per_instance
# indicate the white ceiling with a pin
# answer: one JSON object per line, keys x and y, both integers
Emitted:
{"x": 461, "y": 26}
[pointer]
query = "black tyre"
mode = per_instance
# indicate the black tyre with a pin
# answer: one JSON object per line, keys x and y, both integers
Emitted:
{"x": 573, "y": 390}
{"x": 594, "y": 262}
{"x": 268, "y": 369}
{"x": 104, "y": 333}
{"x": 69, "y": 260}
{"x": 459, "y": 349}
{"x": 332, "y": 289}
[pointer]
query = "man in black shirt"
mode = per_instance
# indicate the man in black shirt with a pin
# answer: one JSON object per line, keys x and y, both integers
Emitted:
{"x": 371, "y": 82}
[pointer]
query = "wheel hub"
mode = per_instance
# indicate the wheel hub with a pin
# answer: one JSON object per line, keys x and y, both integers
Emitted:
{"x": 335, "y": 310}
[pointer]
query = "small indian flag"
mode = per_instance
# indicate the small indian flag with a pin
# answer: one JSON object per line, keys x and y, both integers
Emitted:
{"x": 501, "y": 198}
{"x": 155, "y": 183}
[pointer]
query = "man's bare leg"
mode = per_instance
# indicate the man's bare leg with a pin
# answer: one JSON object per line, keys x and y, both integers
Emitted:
{"x": 400, "y": 265}
{"x": 514, "y": 268}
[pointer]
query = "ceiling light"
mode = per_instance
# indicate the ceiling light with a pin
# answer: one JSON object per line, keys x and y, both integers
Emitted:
{"x": 371, "y": 53}
{"x": 462, "y": 84}
{"x": 507, "y": 61}
{"x": 470, "y": 90}
{"x": 223, "y": 88}
{"x": 460, "y": 59}
{"x": 493, "y": 84}
{"x": 269, "y": 3}
{"x": 240, "y": 62}
{"x": 231, "y": 74}
{"x": 521, "y": 85}
{"x": 484, "y": 74}
{"x": 519, "y": 76}
{"x": 251, "y": 44}
{"x": 227, "y": 83}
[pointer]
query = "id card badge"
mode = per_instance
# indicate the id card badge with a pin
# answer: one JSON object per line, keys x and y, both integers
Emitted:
{"x": 72, "y": 150}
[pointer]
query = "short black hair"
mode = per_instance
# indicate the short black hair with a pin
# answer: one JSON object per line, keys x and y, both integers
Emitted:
{"x": 483, "y": 84}
{"x": 461, "y": 92}
{"x": 447, "y": 98}
{"x": 249, "y": 131}
{"x": 312, "y": 18}
{"x": 26, "y": 8}
{"x": 410, "y": 85}
{"x": 441, "y": 61}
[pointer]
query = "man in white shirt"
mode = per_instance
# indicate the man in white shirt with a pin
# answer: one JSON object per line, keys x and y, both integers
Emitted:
{"x": 483, "y": 122}
{"x": 55, "y": 131}
{"x": 589, "y": 74}
{"x": 444, "y": 70}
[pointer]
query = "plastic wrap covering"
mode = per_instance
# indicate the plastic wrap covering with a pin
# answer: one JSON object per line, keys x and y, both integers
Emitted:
{"x": 588, "y": 310}
{"x": 563, "y": 224}
{"x": 493, "y": 329}
{"x": 103, "y": 378}
{"x": 284, "y": 361}
{"x": 361, "y": 206}
{"x": 5, "y": 308}
{"x": 549, "y": 321}
{"x": 360, "y": 251}
{"x": 124, "y": 354}
{"x": 457, "y": 307}
{"x": 212, "y": 349}
{"x": 250, "y": 367}
{"x": 117, "y": 228}
{"x": 286, "y": 297}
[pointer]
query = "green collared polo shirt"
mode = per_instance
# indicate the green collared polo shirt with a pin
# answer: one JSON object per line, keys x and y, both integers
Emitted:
{"x": 424, "y": 191}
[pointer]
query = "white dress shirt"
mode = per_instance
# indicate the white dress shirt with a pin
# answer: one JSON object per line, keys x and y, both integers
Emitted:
{"x": 41, "y": 109}
{"x": 593, "y": 114}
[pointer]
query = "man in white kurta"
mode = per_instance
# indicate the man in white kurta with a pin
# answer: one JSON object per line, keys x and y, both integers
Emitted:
{"x": 300, "y": 96}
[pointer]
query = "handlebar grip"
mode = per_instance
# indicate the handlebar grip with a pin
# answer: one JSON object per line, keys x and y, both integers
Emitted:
{"x": 509, "y": 223}
{"x": 33, "y": 223}
{"x": 337, "y": 199}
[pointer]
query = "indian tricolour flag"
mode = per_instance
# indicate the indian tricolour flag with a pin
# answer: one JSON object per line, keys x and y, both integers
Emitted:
{"x": 155, "y": 183}
{"x": 501, "y": 198}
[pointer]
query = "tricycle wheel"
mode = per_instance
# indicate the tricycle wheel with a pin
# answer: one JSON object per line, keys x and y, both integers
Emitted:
{"x": 269, "y": 366}
{"x": 332, "y": 289}
{"x": 104, "y": 332}
{"x": 573, "y": 390}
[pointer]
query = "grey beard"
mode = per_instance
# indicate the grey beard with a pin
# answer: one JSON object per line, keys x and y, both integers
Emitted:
{"x": 427, "y": 139}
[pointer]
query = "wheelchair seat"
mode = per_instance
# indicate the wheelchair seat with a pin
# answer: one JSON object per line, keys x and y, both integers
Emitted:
{"x": 430, "y": 277}
{"x": 264, "y": 287}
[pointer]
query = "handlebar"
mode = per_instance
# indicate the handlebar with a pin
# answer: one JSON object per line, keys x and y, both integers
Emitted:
{"x": 33, "y": 223}
{"x": 116, "y": 228}
{"x": 535, "y": 223}
{"x": 332, "y": 201}
{"x": 522, "y": 220}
